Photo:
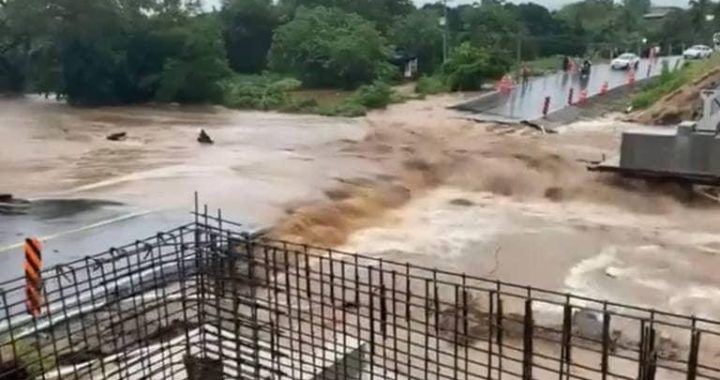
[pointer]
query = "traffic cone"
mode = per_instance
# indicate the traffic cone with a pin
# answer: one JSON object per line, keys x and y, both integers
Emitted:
{"x": 604, "y": 88}
{"x": 583, "y": 96}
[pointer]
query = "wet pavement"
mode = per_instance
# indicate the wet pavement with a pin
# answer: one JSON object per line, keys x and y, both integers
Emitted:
{"x": 526, "y": 100}
{"x": 89, "y": 194}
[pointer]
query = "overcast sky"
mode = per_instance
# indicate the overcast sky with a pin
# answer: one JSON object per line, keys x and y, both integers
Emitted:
{"x": 552, "y": 4}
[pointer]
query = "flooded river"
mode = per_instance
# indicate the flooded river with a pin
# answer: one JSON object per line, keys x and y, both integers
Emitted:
{"x": 415, "y": 183}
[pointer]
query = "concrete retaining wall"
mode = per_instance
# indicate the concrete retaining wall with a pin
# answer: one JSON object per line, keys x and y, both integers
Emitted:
{"x": 687, "y": 152}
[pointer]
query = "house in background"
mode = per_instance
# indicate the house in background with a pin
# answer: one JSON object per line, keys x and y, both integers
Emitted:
{"x": 660, "y": 13}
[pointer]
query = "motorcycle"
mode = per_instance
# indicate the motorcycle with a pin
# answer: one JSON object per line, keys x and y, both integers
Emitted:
{"x": 585, "y": 69}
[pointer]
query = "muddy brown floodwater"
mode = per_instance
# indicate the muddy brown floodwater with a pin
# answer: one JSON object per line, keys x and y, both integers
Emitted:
{"x": 415, "y": 183}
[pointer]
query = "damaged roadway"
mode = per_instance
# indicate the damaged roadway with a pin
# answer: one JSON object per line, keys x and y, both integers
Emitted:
{"x": 415, "y": 183}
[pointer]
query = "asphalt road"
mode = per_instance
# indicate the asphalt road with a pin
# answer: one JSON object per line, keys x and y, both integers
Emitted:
{"x": 73, "y": 229}
{"x": 526, "y": 101}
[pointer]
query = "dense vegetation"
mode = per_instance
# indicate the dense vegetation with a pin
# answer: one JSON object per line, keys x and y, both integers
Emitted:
{"x": 256, "y": 53}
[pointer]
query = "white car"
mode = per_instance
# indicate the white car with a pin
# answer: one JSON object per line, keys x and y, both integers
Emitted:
{"x": 625, "y": 61}
{"x": 697, "y": 52}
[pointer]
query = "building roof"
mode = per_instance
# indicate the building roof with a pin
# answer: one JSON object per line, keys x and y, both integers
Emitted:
{"x": 660, "y": 12}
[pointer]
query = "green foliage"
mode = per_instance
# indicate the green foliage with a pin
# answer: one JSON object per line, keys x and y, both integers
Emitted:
{"x": 346, "y": 109}
{"x": 375, "y": 95}
{"x": 261, "y": 92}
{"x": 107, "y": 51}
{"x": 468, "y": 66}
{"x": 129, "y": 51}
{"x": 430, "y": 85}
{"x": 193, "y": 73}
{"x": 669, "y": 81}
{"x": 327, "y": 47}
{"x": 637, "y": 7}
{"x": 388, "y": 73}
{"x": 420, "y": 34}
{"x": 382, "y": 13}
{"x": 248, "y": 27}
{"x": 367, "y": 97}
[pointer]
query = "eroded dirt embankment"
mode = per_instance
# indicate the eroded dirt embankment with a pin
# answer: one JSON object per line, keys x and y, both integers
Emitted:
{"x": 682, "y": 104}
{"x": 422, "y": 145}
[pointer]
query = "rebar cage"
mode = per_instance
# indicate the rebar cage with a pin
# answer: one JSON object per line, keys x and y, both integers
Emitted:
{"x": 209, "y": 301}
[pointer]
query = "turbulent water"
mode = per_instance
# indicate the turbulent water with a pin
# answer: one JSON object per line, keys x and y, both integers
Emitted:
{"x": 415, "y": 183}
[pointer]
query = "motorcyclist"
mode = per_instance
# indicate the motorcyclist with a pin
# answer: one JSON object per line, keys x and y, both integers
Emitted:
{"x": 586, "y": 66}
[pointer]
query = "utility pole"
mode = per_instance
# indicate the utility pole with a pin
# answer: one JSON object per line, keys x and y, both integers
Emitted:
{"x": 445, "y": 31}
{"x": 518, "y": 56}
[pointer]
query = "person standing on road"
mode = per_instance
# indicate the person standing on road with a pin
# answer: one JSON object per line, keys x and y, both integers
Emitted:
{"x": 525, "y": 73}
{"x": 566, "y": 63}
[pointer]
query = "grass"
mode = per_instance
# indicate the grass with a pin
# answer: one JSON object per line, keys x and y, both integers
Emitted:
{"x": 670, "y": 81}
{"x": 272, "y": 92}
{"x": 431, "y": 85}
{"x": 541, "y": 66}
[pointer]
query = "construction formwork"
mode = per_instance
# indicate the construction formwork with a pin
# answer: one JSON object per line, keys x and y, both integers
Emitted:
{"x": 209, "y": 301}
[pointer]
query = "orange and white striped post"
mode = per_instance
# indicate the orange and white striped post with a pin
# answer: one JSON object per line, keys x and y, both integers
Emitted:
{"x": 33, "y": 276}
{"x": 583, "y": 96}
{"x": 631, "y": 78}
{"x": 604, "y": 88}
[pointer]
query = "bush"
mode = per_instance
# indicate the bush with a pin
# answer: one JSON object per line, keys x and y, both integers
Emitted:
{"x": 259, "y": 92}
{"x": 389, "y": 73}
{"x": 467, "y": 66}
{"x": 327, "y": 47}
{"x": 669, "y": 81}
{"x": 346, "y": 108}
{"x": 375, "y": 95}
{"x": 430, "y": 85}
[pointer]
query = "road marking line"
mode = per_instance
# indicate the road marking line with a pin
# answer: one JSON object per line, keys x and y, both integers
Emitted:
{"x": 81, "y": 229}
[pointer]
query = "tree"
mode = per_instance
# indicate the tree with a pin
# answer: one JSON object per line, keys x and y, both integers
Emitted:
{"x": 121, "y": 51}
{"x": 23, "y": 32}
{"x": 420, "y": 33}
{"x": 327, "y": 47}
{"x": 699, "y": 9}
{"x": 380, "y": 12}
{"x": 248, "y": 27}
{"x": 637, "y": 7}
{"x": 490, "y": 26}
{"x": 194, "y": 72}
{"x": 467, "y": 67}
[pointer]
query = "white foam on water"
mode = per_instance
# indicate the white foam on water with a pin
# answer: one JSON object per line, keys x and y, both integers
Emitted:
{"x": 432, "y": 227}
{"x": 579, "y": 278}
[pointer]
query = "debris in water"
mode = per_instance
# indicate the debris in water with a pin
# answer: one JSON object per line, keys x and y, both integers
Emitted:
{"x": 554, "y": 193}
{"x": 612, "y": 272}
{"x": 204, "y": 138}
{"x": 462, "y": 202}
{"x": 13, "y": 206}
{"x": 119, "y": 136}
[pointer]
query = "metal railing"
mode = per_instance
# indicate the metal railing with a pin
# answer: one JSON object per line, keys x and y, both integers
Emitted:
{"x": 208, "y": 301}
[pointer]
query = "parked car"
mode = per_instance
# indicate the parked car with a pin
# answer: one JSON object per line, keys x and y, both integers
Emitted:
{"x": 625, "y": 61}
{"x": 697, "y": 52}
